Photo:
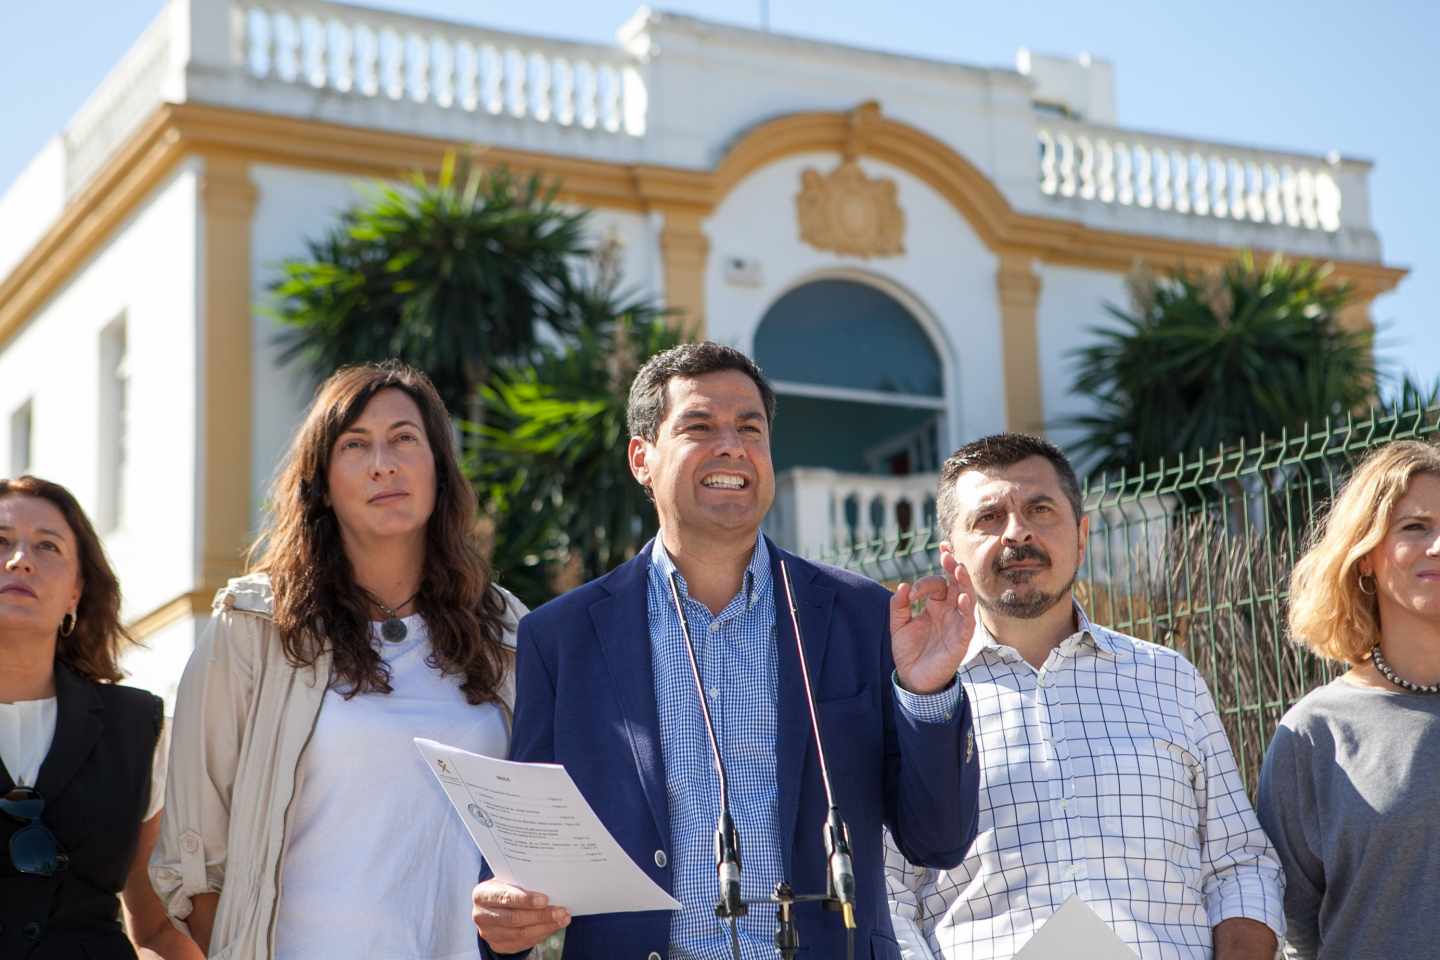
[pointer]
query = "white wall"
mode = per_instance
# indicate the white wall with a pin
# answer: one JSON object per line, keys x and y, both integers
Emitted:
{"x": 32, "y": 203}
{"x": 157, "y": 664}
{"x": 639, "y": 238}
{"x": 146, "y": 272}
{"x": 292, "y": 206}
{"x": 1072, "y": 303}
{"x": 946, "y": 272}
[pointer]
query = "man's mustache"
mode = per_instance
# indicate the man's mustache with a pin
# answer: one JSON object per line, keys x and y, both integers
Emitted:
{"x": 1026, "y": 551}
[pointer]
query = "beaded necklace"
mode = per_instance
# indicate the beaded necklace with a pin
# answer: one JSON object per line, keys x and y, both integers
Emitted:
{"x": 1389, "y": 673}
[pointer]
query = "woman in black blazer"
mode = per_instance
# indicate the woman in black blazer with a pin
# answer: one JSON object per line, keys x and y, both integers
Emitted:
{"x": 77, "y": 820}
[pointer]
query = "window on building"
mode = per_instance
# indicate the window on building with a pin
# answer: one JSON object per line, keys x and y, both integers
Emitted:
{"x": 859, "y": 382}
{"x": 20, "y": 438}
{"x": 114, "y": 424}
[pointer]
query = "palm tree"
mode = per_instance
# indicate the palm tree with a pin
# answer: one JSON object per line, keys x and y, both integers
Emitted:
{"x": 451, "y": 276}
{"x": 1201, "y": 360}
{"x": 460, "y": 278}
{"x": 550, "y": 458}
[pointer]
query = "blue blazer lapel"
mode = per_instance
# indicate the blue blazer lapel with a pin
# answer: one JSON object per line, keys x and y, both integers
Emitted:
{"x": 622, "y": 623}
{"x": 795, "y": 745}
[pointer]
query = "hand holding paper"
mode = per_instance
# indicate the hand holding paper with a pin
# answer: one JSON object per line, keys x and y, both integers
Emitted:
{"x": 513, "y": 920}
{"x": 539, "y": 836}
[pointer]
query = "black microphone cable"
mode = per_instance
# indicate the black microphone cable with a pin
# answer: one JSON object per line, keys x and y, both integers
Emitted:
{"x": 727, "y": 839}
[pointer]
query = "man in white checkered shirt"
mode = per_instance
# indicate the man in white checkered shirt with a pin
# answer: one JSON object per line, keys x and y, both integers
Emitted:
{"x": 1105, "y": 772}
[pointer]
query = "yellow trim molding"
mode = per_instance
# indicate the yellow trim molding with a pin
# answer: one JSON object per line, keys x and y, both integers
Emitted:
{"x": 1018, "y": 291}
{"x": 87, "y": 222}
{"x": 685, "y": 251}
{"x": 178, "y": 130}
{"x": 228, "y": 199}
{"x": 864, "y": 131}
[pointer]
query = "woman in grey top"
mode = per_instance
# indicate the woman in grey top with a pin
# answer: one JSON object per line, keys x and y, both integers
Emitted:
{"x": 1351, "y": 783}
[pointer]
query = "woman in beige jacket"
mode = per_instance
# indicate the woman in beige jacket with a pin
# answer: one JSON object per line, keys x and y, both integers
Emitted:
{"x": 300, "y": 822}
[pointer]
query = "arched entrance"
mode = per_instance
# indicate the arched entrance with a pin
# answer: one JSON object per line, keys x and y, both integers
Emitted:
{"x": 861, "y": 397}
{"x": 861, "y": 386}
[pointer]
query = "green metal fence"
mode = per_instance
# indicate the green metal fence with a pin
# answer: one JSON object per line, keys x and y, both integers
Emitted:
{"x": 1196, "y": 554}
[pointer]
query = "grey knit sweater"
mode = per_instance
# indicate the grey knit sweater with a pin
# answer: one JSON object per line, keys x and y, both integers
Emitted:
{"x": 1350, "y": 796}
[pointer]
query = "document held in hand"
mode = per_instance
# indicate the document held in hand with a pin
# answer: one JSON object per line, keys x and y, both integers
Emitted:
{"x": 536, "y": 831}
{"x": 1075, "y": 932}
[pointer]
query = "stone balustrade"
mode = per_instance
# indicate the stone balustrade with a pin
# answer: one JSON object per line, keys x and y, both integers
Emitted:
{"x": 379, "y": 54}
{"x": 818, "y": 510}
{"x": 1110, "y": 165}
{"x": 335, "y": 63}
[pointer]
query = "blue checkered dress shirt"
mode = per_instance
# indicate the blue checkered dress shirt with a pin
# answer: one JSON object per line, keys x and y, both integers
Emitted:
{"x": 736, "y": 652}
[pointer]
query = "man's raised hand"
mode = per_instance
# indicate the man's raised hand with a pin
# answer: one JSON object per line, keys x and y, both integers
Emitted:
{"x": 929, "y": 645}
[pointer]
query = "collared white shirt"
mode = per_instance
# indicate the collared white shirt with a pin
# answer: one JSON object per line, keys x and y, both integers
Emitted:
{"x": 1105, "y": 773}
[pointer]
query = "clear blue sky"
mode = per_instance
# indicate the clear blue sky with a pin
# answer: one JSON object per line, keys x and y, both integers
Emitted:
{"x": 1316, "y": 75}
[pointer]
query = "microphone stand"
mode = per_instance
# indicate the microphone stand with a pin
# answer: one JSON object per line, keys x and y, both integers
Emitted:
{"x": 727, "y": 839}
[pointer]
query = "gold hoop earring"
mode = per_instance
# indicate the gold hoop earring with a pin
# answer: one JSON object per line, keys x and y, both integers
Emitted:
{"x": 67, "y": 624}
{"x": 1370, "y": 577}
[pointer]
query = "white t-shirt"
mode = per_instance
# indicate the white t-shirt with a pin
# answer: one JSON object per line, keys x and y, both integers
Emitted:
{"x": 378, "y": 866}
{"x": 27, "y": 730}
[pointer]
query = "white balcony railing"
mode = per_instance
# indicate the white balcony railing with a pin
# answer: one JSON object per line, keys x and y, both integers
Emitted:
{"x": 378, "y": 54}
{"x": 1110, "y": 165}
{"x": 817, "y": 510}
{"x": 825, "y": 513}
{"x": 368, "y": 68}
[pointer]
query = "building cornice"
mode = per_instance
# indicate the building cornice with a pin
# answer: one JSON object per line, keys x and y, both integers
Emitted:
{"x": 175, "y": 131}
{"x": 88, "y": 220}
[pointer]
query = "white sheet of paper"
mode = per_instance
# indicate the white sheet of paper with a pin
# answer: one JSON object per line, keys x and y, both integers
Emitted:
{"x": 1075, "y": 932}
{"x": 536, "y": 831}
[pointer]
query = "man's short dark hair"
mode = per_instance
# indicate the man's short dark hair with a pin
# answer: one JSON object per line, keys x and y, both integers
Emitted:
{"x": 650, "y": 398}
{"x": 1000, "y": 450}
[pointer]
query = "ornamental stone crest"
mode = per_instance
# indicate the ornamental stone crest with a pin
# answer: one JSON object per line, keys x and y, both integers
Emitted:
{"x": 847, "y": 212}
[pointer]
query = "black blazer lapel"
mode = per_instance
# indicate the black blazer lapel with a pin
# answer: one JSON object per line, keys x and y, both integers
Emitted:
{"x": 78, "y": 724}
{"x": 795, "y": 746}
{"x": 622, "y": 623}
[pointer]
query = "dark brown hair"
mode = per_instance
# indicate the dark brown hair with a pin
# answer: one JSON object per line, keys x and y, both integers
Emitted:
{"x": 1001, "y": 450}
{"x": 317, "y": 602}
{"x": 649, "y": 397}
{"x": 93, "y": 647}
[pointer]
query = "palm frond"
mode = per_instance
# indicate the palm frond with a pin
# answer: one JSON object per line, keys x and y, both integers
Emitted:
{"x": 1200, "y": 359}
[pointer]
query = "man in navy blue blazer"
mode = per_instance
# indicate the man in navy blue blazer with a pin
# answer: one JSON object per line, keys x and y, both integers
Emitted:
{"x": 604, "y": 687}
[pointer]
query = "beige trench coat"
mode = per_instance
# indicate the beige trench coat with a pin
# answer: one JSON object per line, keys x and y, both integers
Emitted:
{"x": 243, "y": 717}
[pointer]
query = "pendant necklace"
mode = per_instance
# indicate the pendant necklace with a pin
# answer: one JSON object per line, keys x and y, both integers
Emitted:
{"x": 393, "y": 629}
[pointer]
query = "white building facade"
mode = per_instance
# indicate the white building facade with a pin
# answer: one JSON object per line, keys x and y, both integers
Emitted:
{"x": 911, "y": 248}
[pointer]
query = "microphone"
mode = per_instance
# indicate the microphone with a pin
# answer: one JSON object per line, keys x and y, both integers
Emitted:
{"x": 727, "y": 838}
{"x": 840, "y": 873}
